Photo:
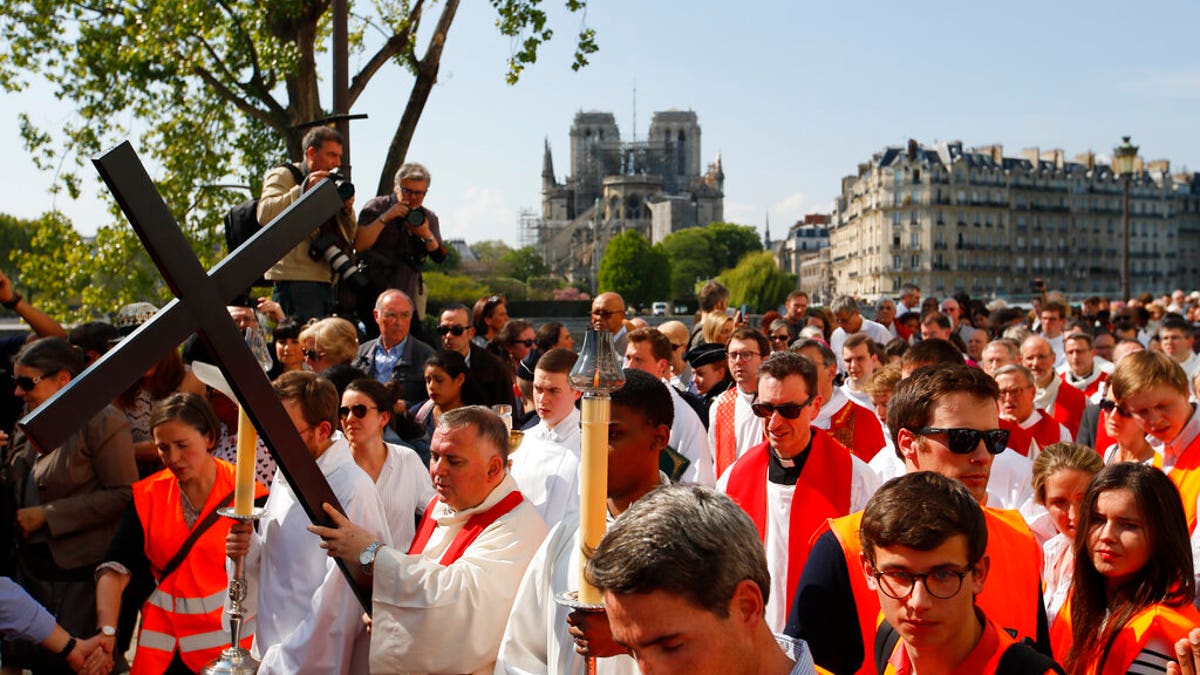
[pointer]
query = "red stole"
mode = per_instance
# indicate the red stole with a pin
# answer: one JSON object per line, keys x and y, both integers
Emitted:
{"x": 822, "y": 492}
{"x": 1047, "y": 429}
{"x": 475, "y": 526}
{"x": 1069, "y": 403}
{"x": 1018, "y": 439}
{"x": 725, "y": 452}
{"x": 858, "y": 429}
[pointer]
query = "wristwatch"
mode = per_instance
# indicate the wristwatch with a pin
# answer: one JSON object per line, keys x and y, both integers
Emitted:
{"x": 12, "y": 302}
{"x": 367, "y": 557}
{"x": 429, "y": 239}
{"x": 108, "y": 631}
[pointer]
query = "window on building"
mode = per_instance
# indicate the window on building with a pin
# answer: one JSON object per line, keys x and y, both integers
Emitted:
{"x": 916, "y": 239}
{"x": 896, "y": 262}
{"x": 915, "y": 261}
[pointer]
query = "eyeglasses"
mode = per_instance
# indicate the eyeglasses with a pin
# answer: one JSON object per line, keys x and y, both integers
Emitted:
{"x": 359, "y": 410}
{"x": 312, "y": 354}
{"x": 1005, "y": 393}
{"x": 527, "y": 343}
{"x": 456, "y": 330}
{"x": 28, "y": 383}
{"x": 415, "y": 193}
{"x": 964, "y": 441}
{"x": 1110, "y": 406}
{"x": 787, "y": 410}
{"x": 942, "y": 583}
{"x": 742, "y": 356}
{"x": 395, "y": 315}
{"x": 780, "y": 338}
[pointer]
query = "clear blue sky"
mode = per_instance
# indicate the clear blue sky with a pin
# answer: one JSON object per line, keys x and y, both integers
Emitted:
{"x": 792, "y": 94}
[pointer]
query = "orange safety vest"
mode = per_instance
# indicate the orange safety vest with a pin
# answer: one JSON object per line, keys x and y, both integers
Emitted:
{"x": 1186, "y": 477}
{"x": 822, "y": 492}
{"x": 858, "y": 429}
{"x": 184, "y": 611}
{"x": 984, "y": 658}
{"x": 1069, "y": 403}
{"x": 1015, "y": 558}
{"x": 1161, "y": 621}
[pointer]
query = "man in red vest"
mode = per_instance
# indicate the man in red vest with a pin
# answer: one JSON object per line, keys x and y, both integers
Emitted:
{"x": 441, "y": 607}
{"x": 732, "y": 427}
{"x": 795, "y": 480}
{"x": 943, "y": 419}
{"x": 1063, "y": 403}
{"x": 1018, "y": 414}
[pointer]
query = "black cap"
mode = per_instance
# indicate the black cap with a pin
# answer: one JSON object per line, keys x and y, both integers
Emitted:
{"x": 702, "y": 355}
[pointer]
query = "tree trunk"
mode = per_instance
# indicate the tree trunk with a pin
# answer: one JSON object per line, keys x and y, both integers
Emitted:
{"x": 427, "y": 70}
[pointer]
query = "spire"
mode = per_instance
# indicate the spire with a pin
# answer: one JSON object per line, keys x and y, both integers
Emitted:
{"x": 767, "y": 236}
{"x": 547, "y": 166}
{"x": 720, "y": 169}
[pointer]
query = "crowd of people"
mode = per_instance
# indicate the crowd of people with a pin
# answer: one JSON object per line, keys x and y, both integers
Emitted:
{"x": 949, "y": 486}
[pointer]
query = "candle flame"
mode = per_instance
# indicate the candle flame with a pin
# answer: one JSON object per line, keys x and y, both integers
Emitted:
{"x": 596, "y": 380}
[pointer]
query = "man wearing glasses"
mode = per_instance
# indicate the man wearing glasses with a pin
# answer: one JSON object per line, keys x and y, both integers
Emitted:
{"x": 733, "y": 428}
{"x": 395, "y": 235}
{"x": 924, "y": 553}
{"x": 1030, "y": 428}
{"x": 943, "y": 419}
{"x": 488, "y": 382}
{"x": 608, "y": 310}
{"x": 790, "y": 484}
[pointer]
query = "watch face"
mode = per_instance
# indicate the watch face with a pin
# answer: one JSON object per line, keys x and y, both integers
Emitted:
{"x": 368, "y": 555}
{"x": 108, "y": 631}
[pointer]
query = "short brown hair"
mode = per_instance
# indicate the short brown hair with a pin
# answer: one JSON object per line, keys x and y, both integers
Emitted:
{"x": 779, "y": 365}
{"x": 883, "y": 381}
{"x": 921, "y": 511}
{"x": 930, "y": 352}
{"x": 320, "y": 135}
{"x": 660, "y": 345}
{"x": 913, "y": 404}
{"x": 748, "y": 333}
{"x": 316, "y": 396}
{"x": 557, "y": 360}
{"x": 1143, "y": 370}
{"x": 712, "y": 294}
{"x": 1056, "y": 306}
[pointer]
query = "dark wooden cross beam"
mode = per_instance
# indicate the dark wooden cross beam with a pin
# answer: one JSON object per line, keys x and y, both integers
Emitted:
{"x": 199, "y": 306}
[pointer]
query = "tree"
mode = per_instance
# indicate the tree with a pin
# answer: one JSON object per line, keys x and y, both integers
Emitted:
{"x": 731, "y": 243}
{"x": 55, "y": 269}
{"x": 219, "y": 90}
{"x": 524, "y": 263}
{"x": 757, "y": 281}
{"x": 16, "y": 237}
{"x": 634, "y": 269}
{"x": 699, "y": 253}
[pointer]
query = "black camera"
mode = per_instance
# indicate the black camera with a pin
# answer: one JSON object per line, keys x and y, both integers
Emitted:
{"x": 327, "y": 246}
{"x": 415, "y": 217}
{"x": 345, "y": 188}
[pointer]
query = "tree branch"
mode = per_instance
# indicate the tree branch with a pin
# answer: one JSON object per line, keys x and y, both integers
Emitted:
{"x": 392, "y": 47}
{"x": 229, "y": 95}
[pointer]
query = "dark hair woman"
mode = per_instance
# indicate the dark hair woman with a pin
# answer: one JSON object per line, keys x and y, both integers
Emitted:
{"x": 490, "y": 314}
{"x": 445, "y": 374}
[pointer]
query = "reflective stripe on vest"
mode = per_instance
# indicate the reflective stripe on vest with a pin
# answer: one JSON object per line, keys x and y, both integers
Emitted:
{"x": 168, "y": 603}
{"x": 156, "y": 640}
{"x": 149, "y": 639}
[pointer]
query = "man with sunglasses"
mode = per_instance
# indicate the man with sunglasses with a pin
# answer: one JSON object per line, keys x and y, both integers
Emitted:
{"x": 608, "y": 310}
{"x": 790, "y": 484}
{"x": 488, "y": 380}
{"x": 943, "y": 419}
{"x": 924, "y": 543}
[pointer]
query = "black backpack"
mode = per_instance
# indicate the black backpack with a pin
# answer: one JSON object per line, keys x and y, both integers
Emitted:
{"x": 241, "y": 221}
{"x": 1020, "y": 658}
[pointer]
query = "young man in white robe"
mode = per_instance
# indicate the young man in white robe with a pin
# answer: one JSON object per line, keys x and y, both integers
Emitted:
{"x": 441, "y": 607}
{"x": 538, "y": 638}
{"x": 308, "y": 616}
{"x": 732, "y": 427}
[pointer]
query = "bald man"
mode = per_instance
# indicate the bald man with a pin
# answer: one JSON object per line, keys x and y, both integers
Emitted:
{"x": 1066, "y": 404}
{"x": 681, "y": 372}
{"x": 608, "y": 310}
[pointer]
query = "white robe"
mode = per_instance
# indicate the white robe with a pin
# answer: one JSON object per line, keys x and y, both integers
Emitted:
{"x": 429, "y": 618}
{"x": 874, "y": 330}
{"x": 405, "y": 489}
{"x": 548, "y": 475}
{"x": 689, "y": 439}
{"x": 566, "y": 432}
{"x": 309, "y": 620}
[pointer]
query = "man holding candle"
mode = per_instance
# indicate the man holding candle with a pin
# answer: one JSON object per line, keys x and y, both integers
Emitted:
{"x": 440, "y": 607}
{"x": 538, "y": 638}
{"x": 308, "y": 616}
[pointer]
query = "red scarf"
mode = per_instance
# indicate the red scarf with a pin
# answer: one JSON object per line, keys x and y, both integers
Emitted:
{"x": 475, "y": 526}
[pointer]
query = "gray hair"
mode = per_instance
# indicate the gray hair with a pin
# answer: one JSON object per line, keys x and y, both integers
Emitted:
{"x": 1017, "y": 333}
{"x": 843, "y": 303}
{"x": 1014, "y": 351}
{"x": 828, "y": 358}
{"x": 487, "y": 424}
{"x": 686, "y": 540}
{"x": 780, "y": 323}
{"x": 392, "y": 291}
{"x": 412, "y": 171}
{"x": 1017, "y": 369}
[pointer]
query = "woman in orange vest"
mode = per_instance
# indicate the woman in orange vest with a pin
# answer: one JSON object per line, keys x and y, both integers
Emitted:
{"x": 184, "y": 559}
{"x": 1133, "y": 585}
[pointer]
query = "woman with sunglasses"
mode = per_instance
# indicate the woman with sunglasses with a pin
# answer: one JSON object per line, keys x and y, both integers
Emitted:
{"x": 399, "y": 474}
{"x": 1129, "y": 440}
{"x": 167, "y": 508}
{"x": 490, "y": 314}
{"x": 445, "y": 373}
{"x": 1132, "y": 592}
{"x": 514, "y": 342}
{"x": 331, "y": 346}
{"x": 779, "y": 333}
{"x": 1061, "y": 474}
{"x": 68, "y": 500}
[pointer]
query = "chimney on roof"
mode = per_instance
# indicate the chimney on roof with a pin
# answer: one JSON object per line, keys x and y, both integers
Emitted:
{"x": 912, "y": 149}
{"x": 1031, "y": 154}
{"x": 1087, "y": 159}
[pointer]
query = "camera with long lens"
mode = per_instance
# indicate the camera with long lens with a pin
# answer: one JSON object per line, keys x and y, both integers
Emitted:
{"x": 328, "y": 246}
{"x": 345, "y": 188}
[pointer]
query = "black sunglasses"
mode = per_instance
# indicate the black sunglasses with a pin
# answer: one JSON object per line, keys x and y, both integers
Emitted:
{"x": 359, "y": 410}
{"x": 311, "y": 354}
{"x": 964, "y": 441}
{"x": 780, "y": 338}
{"x": 28, "y": 383}
{"x": 527, "y": 343}
{"x": 457, "y": 330}
{"x": 788, "y": 410}
{"x": 1109, "y": 406}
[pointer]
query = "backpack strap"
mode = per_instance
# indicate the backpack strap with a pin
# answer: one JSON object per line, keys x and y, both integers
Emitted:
{"x": 886, "y": 639}
{"x": 1023, "y": 657}
{"x": 297, "y": 174}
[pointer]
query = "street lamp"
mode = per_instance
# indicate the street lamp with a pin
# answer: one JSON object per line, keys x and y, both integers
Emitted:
{"x": 1124, "y": 158}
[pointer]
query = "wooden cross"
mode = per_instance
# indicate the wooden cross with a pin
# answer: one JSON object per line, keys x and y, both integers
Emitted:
{"x": 199, "y": 306}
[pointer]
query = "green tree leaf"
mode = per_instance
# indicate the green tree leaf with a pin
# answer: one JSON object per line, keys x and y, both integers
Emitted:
{"x": 633, "y": 268}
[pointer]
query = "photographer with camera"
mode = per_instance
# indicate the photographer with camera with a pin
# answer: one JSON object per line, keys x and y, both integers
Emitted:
{"x": 396, "y": 235}
{"x": 304, "y": 277}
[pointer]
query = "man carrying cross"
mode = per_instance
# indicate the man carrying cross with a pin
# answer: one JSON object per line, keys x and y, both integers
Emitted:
{"x": 442, "y": 606}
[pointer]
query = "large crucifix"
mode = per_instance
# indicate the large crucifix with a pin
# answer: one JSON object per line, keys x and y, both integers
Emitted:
{"x": 199, "y": 306}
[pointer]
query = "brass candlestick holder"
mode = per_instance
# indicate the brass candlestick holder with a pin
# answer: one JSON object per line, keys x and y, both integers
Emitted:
{"x": 235, "y": 659}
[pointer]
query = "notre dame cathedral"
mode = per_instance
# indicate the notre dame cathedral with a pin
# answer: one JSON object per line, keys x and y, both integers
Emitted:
{"x": 653, "y": 186}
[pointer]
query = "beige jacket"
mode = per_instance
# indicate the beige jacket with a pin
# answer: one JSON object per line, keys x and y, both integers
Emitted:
{"x": 279, "y": 192}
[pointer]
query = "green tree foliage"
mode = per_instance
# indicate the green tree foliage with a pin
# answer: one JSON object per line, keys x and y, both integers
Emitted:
{"x": 55, "y": 271}
{"x": 445, "y": 289}
{"x": 491, "y": 254}
{"x": 16, "y": 237}
{"x": 524, "y": 263}
{"x": 700, "y": 253}
{"x": 217, "y": 90}
{"x": 758, "y": 282}
{"x": 636, "y": 270}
